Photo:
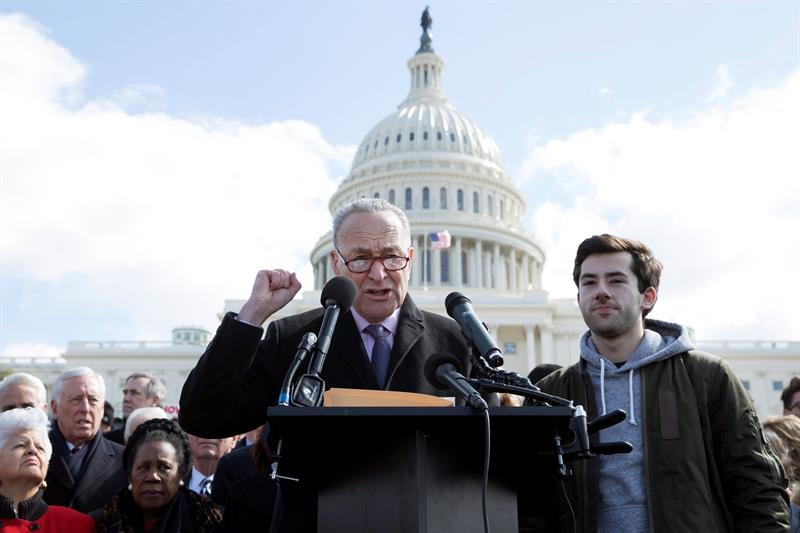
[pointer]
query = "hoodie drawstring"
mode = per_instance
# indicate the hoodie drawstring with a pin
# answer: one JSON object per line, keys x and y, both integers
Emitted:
{"x": 603, "y": 384}
{"x": 630, "y": 392}
{"x": 632, "y": 415}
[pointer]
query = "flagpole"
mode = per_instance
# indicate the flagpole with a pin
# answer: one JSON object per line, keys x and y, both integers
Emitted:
{"x": 425, "y": 263}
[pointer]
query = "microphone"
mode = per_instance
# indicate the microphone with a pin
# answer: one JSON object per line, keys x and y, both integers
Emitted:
{"x": 459, "y": 307}
{"x": 306, "y": 344}
{"x": 443, "y": 372}
{"x": 337, "y": 296}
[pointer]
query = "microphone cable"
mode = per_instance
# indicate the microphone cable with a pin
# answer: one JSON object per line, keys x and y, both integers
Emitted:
{"x": 487, "y": 447}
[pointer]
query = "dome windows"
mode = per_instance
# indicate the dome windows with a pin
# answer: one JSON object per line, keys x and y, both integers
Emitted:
{"x": 399, "y": 137}
{"x": 443, "y": 198}
{"x": 411, "y": 136}
{"x": 489, "y": 206}
{"x": 386, "y": 140}
{"x": 408, "y": 198}
{"x": 424, "y": 135}
{"x": 438, "y": 135}
{"x": 476, "y": 202}
{"x": 452, "y": 137}
{"x": 460, "y": 199}
{"x": 391, "y": 196}
{"x": 426, "y": 198}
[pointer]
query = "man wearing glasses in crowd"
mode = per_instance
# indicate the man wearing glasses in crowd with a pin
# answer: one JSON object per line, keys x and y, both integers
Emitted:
{"x": 381, "y": 343}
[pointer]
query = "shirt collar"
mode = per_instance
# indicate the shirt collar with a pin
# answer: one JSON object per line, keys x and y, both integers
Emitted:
{"x": 390, "y": 322}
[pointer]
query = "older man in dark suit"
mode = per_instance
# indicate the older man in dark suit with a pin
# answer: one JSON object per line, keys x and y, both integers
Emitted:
{"x": 85, "y": 469}
{"x": 381, "y": 343}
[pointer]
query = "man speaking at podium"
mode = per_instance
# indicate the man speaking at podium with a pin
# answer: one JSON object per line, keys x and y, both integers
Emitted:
{"x": 381, "y": 343}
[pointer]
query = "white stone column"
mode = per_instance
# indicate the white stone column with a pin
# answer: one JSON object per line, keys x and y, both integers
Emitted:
{"x": 499, "y": 270}
{"x": 416, "y": 269}
{"x": 487, "y": 271}
{"x": 548, "y": 346}
{"x": 530, "y": 347}
{"x": 494, "y": 330}
{"x": 436, "y": 270}
{"x": 478, "y": 277}
{"x": 525, "y": 273}
{"x": 512, "y": 269}
{"x": 455, "y": 267}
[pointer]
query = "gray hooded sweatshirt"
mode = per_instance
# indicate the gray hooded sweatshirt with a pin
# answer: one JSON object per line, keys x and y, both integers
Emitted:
{"x": 622, "y": 499}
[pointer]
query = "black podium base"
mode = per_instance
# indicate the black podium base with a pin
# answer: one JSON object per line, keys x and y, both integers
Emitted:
{"x": 408, "y": 470}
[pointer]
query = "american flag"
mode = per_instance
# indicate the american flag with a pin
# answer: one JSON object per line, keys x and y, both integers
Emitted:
{"x": 440, "y": 240}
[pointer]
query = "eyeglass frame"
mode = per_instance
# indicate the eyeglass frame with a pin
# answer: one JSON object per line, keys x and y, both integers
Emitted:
{"x": 372, "y": 262}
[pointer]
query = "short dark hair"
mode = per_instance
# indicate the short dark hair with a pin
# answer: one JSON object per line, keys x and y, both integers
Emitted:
{"x": 645, "y": 266}
{"x": 791, "y": 389}
{"x": 159, "y": 430}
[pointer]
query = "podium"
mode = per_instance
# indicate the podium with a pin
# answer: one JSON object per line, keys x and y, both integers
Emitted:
{"x": 411, "y": 469}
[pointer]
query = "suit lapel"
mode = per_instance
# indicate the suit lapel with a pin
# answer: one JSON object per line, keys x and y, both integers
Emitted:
{"x": 347, "y": 345}
{"x": 97, "y": 467}
{"x": 60, "y": 470}
{"x": 410, "y": 327}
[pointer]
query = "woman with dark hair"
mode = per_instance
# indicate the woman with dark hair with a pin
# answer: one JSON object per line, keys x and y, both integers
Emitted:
{"x": 25, "y": 451}
{"x": 156, "y": 460}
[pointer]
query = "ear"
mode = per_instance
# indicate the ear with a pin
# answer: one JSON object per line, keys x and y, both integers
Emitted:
{"x": 335, "y": 262}
{"x": 579, "y": 298}
{"x": 649, "y": 297}
{"x": 54, "y": 408}
{"x": 410, "y": 256}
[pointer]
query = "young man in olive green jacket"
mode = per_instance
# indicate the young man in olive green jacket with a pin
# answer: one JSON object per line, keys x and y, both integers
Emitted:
{"x": 700, "y": 461}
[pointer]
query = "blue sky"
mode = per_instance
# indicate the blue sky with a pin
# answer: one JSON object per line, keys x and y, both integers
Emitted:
{"x": 147, "y": 129}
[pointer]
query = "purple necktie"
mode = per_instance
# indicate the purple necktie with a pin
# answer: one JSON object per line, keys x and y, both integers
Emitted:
{"x": 380, "y": 352}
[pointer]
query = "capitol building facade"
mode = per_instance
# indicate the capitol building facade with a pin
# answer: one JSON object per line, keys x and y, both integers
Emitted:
{"x": 447, "y": 174}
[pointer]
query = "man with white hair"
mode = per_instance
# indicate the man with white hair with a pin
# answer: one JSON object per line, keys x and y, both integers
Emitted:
{"x": 140, "y": 416}
{"x": 22, "y": 390}
{"x": 85, "y": 469}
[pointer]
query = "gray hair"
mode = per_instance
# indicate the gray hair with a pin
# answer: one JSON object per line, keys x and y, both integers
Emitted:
{"x": 140, "y": 416}
{"x": 22, "y": 378}
{"x": 74, "y": 373}
{"x": 368, "y": 205}
{"x": 15, "y": 421}
{"x": 154, "y": 386}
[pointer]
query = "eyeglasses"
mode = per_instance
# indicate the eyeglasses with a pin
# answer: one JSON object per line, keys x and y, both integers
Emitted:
{"x": 794, "y": 406}
{"x": 359, "y": 266}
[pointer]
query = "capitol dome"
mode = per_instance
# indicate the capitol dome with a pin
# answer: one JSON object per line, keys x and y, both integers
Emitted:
{"x": 447, "y": 174}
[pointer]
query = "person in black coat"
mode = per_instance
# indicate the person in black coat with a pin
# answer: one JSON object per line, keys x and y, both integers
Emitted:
{"x": 85, "y": 468}
{"x": 239, "y": 375}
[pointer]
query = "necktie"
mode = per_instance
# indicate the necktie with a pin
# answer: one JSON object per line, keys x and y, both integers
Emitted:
{"x": 75, "y": 461}
{"x": 380, "y": 351}
{"x": 205, "y": 487}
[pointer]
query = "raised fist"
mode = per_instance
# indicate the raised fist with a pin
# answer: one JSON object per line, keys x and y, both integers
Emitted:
{"x": 272, "y": 290}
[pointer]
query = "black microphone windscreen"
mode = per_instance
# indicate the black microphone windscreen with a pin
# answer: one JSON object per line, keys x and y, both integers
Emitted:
{"x": 341, "y": 290}
{"x": 453, "y": 299}
{"x": 434, "y": 362}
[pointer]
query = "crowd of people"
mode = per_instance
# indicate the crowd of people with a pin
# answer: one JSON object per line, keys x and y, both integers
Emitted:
{"x": 696, "y": 439}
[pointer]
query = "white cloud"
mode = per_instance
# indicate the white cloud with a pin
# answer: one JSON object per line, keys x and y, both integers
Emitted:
{"x": 716, "y": 195}
{"x": 146, "y": 216}
{"x": 32, "y": 351}
{"x": 723, "y": 84}
{"x": 141, "y": 96}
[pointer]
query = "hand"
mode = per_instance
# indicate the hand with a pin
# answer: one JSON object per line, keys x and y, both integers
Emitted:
{"x": 272, "y": 290}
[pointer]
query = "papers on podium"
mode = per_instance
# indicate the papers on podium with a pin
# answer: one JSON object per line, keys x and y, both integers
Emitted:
{"x": 382, "y": 398}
